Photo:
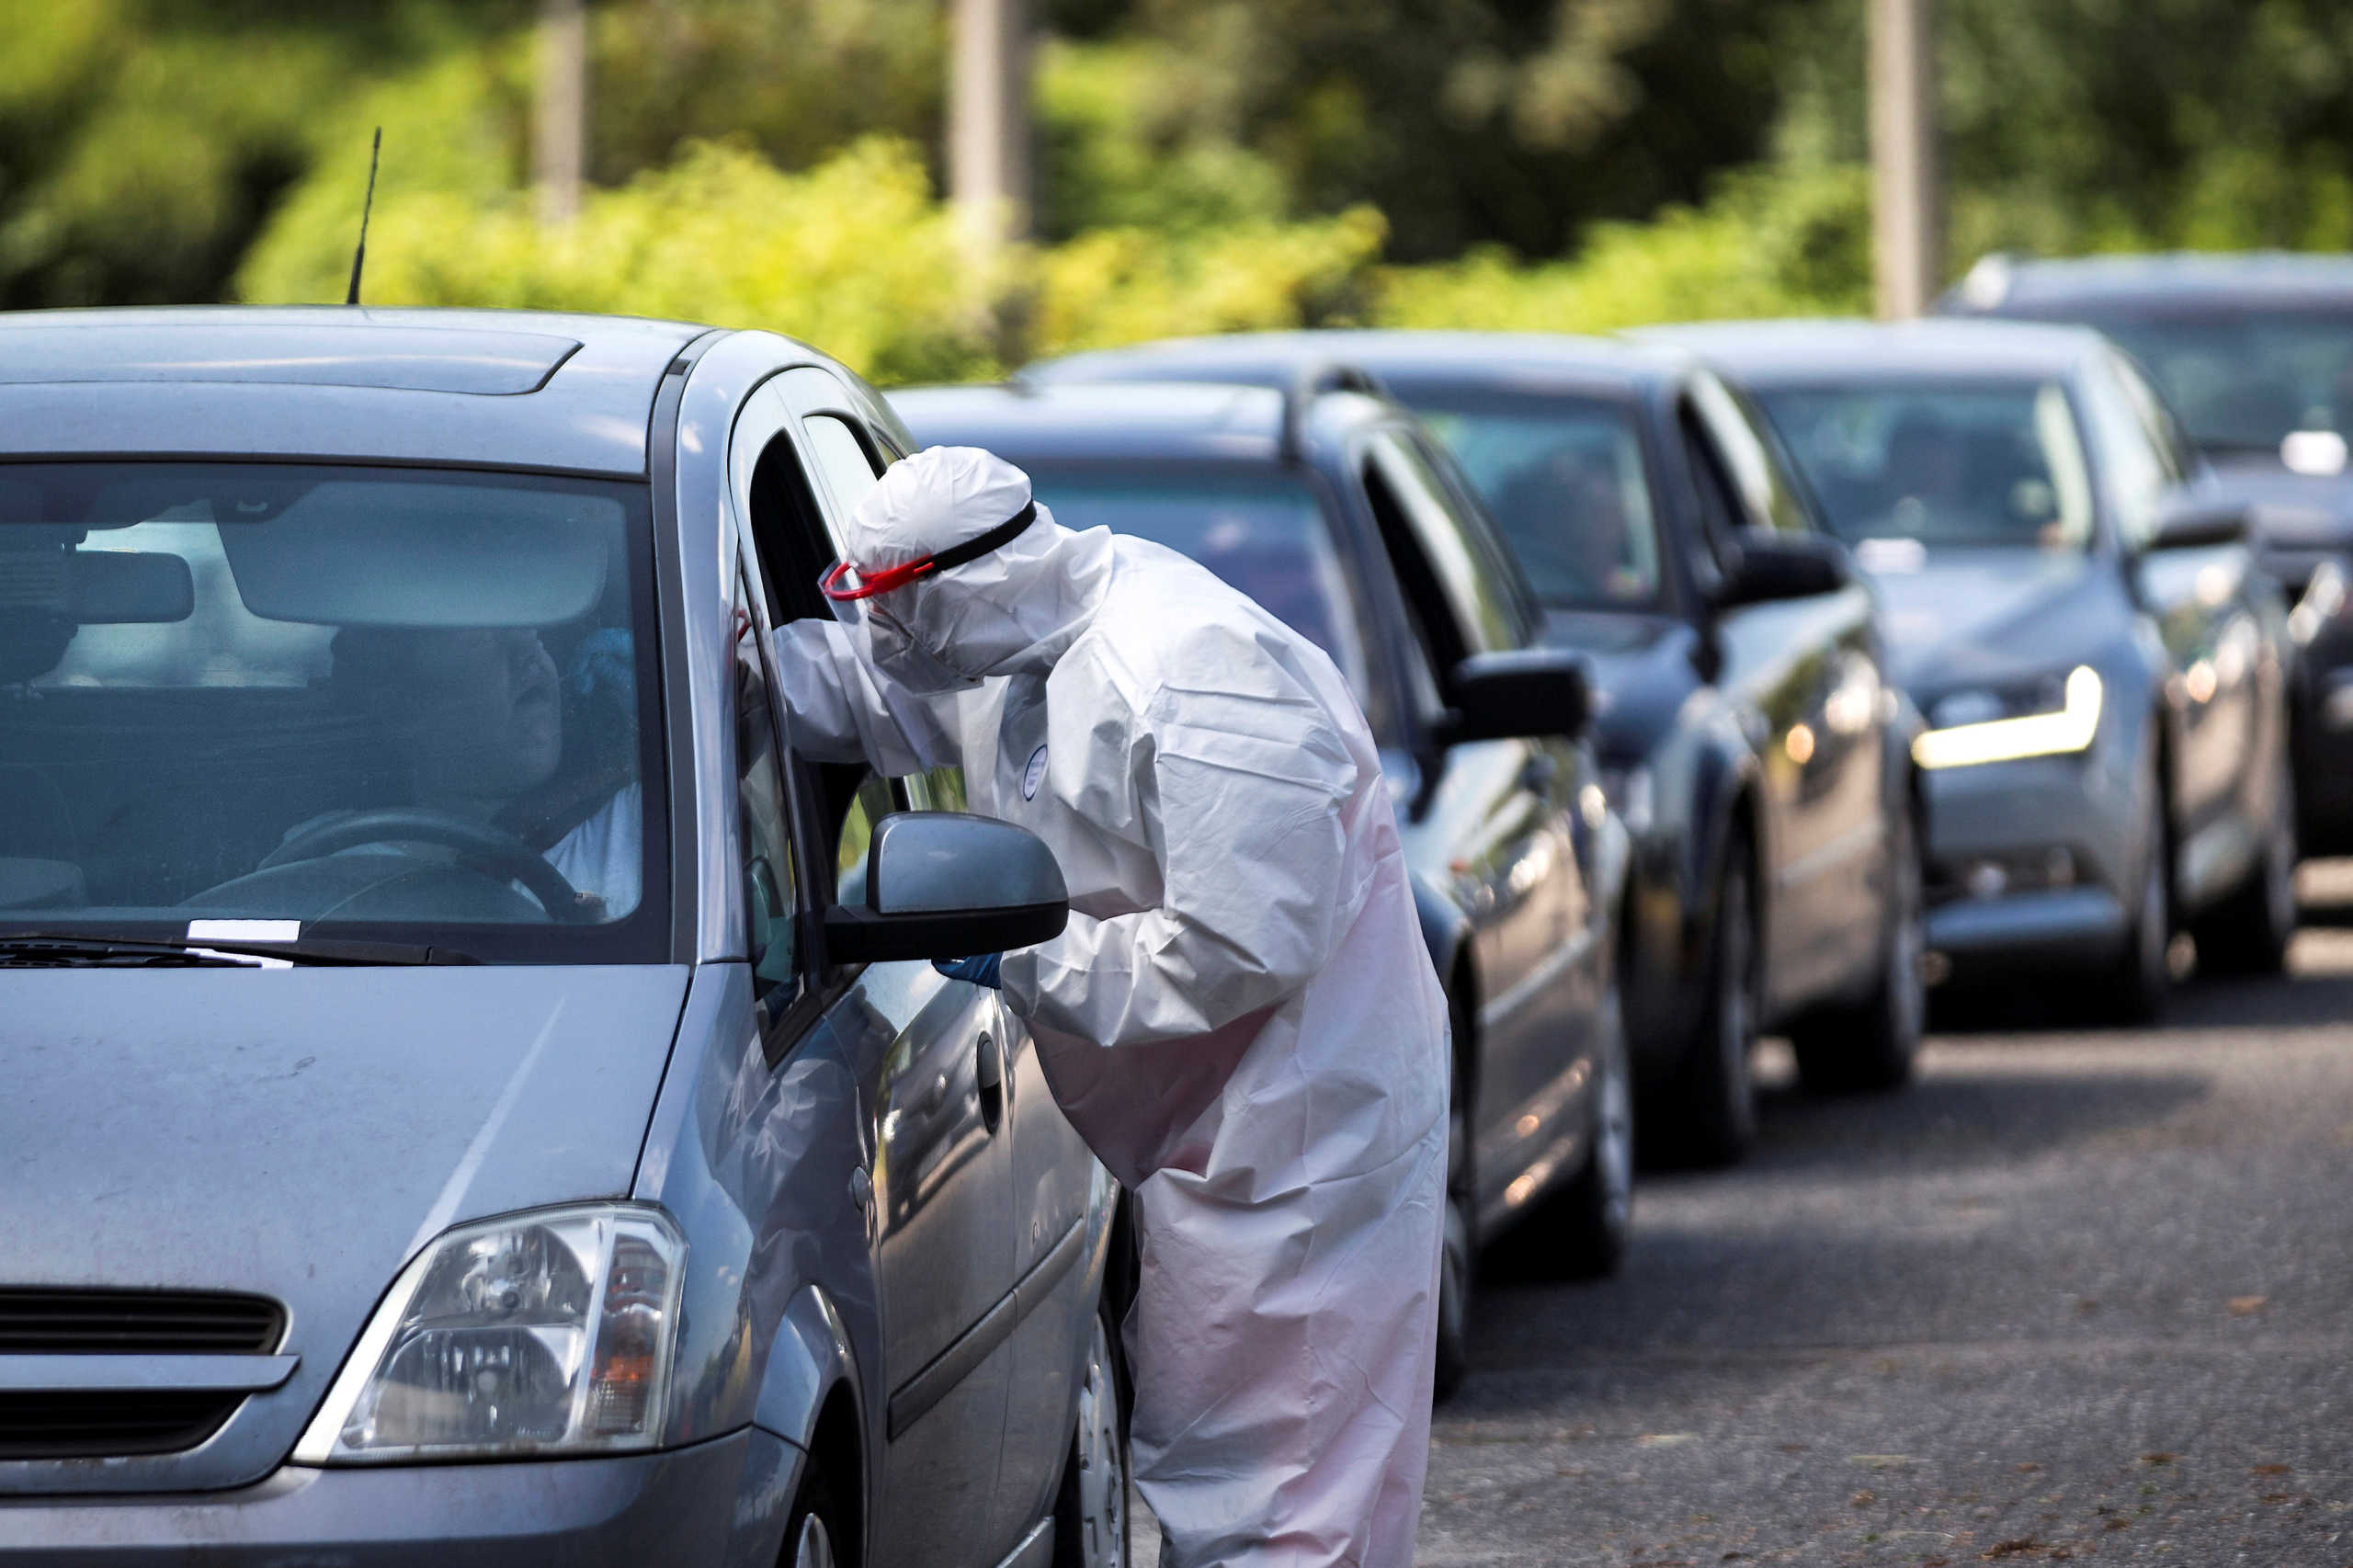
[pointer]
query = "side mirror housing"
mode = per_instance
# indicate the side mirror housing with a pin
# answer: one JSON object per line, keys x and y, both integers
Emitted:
{"x": 1521, "y": 692}
{"x": 1783, "y": 566}
{"x": 948, "y": 885}
{"x": 2198, "y": 522}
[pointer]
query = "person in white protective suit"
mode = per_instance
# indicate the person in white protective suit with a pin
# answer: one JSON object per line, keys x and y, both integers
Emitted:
{"x": 1241, "y": 1018}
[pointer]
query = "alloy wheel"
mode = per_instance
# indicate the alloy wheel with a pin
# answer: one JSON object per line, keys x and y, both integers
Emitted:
{"x": 1613, "y": 1133}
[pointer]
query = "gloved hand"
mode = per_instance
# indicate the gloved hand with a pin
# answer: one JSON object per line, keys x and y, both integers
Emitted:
{"x": 981, "y": 970}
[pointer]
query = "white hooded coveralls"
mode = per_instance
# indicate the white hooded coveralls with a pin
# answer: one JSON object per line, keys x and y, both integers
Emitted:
{"x": 1241, "y": 1018}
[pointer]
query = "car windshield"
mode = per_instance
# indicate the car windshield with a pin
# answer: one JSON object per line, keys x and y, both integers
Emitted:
{"x": 1941, "y": 463}
{"x": 1264, "y": 533}
{"x": 1564, "y": 481}
{"x": 2244, "y": 382}
{"x": 399, "y": 705}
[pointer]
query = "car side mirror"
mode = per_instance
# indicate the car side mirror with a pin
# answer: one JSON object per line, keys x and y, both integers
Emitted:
{"x": 1767, "y": 567}
{"x": 2199, "y": 522}
{"x": 1520, "y": 692}
{"x": 947, "y": 885}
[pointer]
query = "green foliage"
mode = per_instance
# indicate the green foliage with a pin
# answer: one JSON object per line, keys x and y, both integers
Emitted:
{"x": 1769, "y": 243}
{"x": 853, "y": 255}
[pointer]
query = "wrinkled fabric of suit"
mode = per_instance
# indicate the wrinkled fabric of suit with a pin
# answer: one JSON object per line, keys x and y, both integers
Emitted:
{"x": 1241, "y": 1016}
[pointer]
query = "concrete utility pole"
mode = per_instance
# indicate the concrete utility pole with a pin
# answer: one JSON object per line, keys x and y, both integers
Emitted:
{"x": 988, "y": 122}
{"x": 1907, "y": 198}
{"x": 560, "y": 116}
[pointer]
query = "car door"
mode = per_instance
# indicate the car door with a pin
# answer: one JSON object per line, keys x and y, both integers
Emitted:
{"x": 2224, "y": 693}
{"x": 1506, "y": 809}
{"x": 940, "y": 1205}
{"x": 1809, "y": 670}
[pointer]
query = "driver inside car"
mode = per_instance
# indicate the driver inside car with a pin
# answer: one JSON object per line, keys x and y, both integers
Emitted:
{"x": 474, "y": 722}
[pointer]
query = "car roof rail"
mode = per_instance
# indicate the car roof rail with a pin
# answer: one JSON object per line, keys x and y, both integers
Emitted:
{"x": 1312, "y": 382}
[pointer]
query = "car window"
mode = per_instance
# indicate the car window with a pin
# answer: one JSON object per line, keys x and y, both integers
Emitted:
{"x": 2132, "y": 473}
{"x": 1564, "y": 480}
{"x": 1747, "y": 452}
{"x": 769, "y": 886}
{"x": 842, "y": 458}
{"x": 398, "y": 704}
{"x": 2165, "y": 440}
{"x": 1478, "y": 591}
{"x": 1720, "y": 514}
{"x": 1261, "y": 529}
{"x": 1942, "y": 463}
{"x": 2244, "y": 379}
{"x": 872, "y": 803}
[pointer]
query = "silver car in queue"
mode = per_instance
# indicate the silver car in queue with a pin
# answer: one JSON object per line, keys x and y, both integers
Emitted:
{"x": 542, "y": 1147}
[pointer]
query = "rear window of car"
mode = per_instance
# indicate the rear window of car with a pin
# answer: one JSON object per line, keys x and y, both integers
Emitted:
{"x": 1564, "y": 480}
{"x": 1262, "y": 531}
{"x": 213, "y": 675}
{"x": 1940, "y": 463}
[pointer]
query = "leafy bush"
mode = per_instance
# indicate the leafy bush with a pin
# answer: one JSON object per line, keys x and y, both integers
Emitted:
{"x": 1770, "y": 243}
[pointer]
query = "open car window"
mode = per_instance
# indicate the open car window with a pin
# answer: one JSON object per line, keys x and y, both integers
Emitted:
{"x": 393, "y": 704}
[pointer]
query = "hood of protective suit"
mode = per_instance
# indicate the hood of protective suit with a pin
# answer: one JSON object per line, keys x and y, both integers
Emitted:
{"x": 1013, "y": 610}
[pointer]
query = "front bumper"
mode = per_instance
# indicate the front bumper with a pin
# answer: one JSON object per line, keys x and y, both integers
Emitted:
{"x": 2030, "y": 813}
{"x": 720, "y": 1502}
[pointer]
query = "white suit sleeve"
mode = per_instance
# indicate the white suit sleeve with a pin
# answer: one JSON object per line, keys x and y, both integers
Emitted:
{"x": 1238, "y": 797}
{"x": 844, "y": 711}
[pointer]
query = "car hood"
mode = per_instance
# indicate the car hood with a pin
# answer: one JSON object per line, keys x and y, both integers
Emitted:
{"x": 1641, "y": 671}
{"x": 1979, "y": 613}
{"x": 300, "y": 1133}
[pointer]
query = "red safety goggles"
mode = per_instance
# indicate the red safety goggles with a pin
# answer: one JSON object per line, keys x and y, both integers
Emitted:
{"x": 889, "y": 577}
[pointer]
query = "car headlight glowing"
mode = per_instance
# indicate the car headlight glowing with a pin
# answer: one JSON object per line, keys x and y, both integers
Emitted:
{"x": 541, "y": 1332}
{"x": 1964, "y": 739}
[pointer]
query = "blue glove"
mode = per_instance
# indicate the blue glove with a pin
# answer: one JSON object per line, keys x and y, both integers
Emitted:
{"x": 607, "y": 661}
{"x": 981, "y": 970}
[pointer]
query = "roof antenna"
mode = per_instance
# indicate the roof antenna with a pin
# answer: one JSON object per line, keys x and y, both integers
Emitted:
{"x": 360, "y": 257}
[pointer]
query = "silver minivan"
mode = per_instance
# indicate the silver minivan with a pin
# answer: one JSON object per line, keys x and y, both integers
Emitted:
{"x": 469, "y": 1092}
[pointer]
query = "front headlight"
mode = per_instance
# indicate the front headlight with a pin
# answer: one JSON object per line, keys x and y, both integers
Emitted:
{"x": 549, "y": 1332}
{"x": 1969, "y": 732}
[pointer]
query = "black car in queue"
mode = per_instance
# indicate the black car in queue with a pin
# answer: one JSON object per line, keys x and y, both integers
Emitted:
{"x": 1331, "y": 509}
{"x": 2255, "y": 354}
{"x": 1747, "y": 734}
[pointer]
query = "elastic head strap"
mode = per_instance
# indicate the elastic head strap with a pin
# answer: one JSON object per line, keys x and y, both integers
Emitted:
{"x": 889, "y": 577}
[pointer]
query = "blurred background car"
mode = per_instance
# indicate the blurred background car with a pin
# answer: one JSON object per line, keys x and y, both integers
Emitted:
{"x": 1747, "y": 733}
{"x": 2254, "y": 352}
{"x": 2100, "y": 658}
{"x": 1328, "y": 504}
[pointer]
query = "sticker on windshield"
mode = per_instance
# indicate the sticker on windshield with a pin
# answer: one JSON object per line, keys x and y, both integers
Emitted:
{"x": 244, "y": 930}
{"x": 1033, "y": 775}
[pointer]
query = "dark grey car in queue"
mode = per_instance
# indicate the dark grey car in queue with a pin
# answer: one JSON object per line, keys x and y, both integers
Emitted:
{"x": 2255, "y": 354}
{"x": 417, "y": 1210}
{"x": 1333, "y": 511}
{"x": 2101, "y": 660}
{"x": 1748, "y": 734}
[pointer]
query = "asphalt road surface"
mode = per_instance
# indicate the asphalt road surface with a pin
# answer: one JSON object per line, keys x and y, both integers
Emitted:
{"x": 2077, "y": 1295}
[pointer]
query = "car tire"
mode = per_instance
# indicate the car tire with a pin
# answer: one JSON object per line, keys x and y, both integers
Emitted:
{"x": 1458, "y": 1256}
{"x": 2143, "y": 974}
{"x": 1872, "y": 1046}
{"x": 2248, "y": 933}
{"x": 1092, "y": 1527}
{"x": 813, "y": 1531}
{"x": 1715, "y": 1103}
{"x": 1592, "y": 1219}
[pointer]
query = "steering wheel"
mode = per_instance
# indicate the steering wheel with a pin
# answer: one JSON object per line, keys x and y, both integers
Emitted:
{"x": 480, "y": 846}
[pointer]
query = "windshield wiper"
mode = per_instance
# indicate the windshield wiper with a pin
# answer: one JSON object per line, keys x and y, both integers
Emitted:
{"x": 61, "y": 950}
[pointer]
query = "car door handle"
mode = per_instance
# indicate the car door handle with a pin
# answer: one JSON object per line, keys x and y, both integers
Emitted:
{"x": 990, "y": 1074}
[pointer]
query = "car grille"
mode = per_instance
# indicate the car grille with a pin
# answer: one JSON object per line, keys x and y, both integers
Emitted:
{"x": 69, "y": 1424}
{"x": 43, "y": 1321}
{"x": 83, "y": 1425}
